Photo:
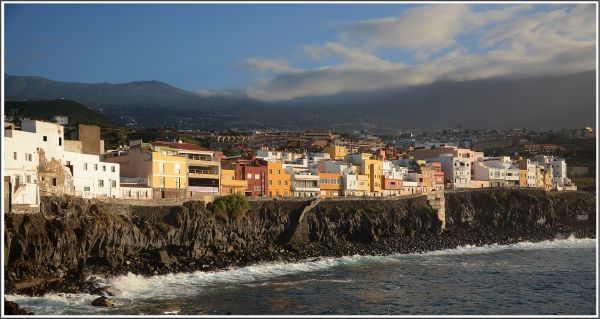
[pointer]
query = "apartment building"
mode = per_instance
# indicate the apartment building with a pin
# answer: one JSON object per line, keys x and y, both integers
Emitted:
{"x": 279, "y": 181}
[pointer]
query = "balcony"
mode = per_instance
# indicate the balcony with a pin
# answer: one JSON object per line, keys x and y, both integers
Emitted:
{"x": 305, "y": 189}
{"x": 203, "y": 173}
{"x": 202, "y": 160}
{"x": 234, "y": 183}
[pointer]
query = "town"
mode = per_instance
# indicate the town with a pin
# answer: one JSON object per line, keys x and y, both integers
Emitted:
{"x": 43, "y": 157}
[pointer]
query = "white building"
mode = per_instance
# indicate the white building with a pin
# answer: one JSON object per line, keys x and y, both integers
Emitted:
{"x": 304, "y": 183}
{"x": 499, "y": 171}
{"x": 20, "y": 164}
{"x": 47, "y": 136}
{"x": 457, "y": 170}
{"x": 392, "y": 171}
{"x": 92, "y": 177}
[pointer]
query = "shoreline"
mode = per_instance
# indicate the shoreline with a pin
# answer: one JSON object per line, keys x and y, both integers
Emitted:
{"x": 316, "y": 251}
{"x": 74, "y": 239}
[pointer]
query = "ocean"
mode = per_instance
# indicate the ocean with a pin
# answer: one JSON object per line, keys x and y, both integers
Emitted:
{"x": 547, "y": 278}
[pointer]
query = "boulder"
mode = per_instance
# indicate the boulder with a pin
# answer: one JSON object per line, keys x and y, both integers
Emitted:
{"x": 103, "y": 302}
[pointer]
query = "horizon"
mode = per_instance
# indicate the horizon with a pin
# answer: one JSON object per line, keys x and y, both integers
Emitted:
{"x": 283, "y": 56}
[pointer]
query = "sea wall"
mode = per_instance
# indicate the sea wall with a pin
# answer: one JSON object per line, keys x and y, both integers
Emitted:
{"x": 72, "y": 238}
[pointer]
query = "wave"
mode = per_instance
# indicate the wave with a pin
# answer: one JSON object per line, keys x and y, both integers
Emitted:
{"x": 137, "y": 287}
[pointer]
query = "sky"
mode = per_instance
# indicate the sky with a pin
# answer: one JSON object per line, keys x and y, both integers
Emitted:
{"x": 284, "y": 51}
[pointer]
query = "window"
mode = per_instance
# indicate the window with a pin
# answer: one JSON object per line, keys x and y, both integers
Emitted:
{"x": 256, "y": 176}
{"x": 29, "y": 157}
{"x": 104, "y": 168}
{"x": 177, "y": 169}
{"x": 95, "y": 167}
{"x": 86, "y": 188}
{"x": 277, "y": 172}
{"x": 45, "y": 138}
{"x": 177, "y": 182}
{"x": 27, "y": 179}
{"x": 85, "y": 166}
{"x": 68, "y": 163}
{"x": 271, "y": 182}
{"x": 14, "y": 155}
{"x": 112, "y": 168}
{"x": 161, "y": 181}
{"x": 113, "y": 183}
{"x": 100, "y": 183}
{"x": 257, "y": 188}
{"x": 270, "y": 171}
{"x": 53, "y": 181}
{"x": 248, "y": 176}
{"x": 279, "y": 182}
{"x": 161, "y": 168}
{"x": 60, "y": 141}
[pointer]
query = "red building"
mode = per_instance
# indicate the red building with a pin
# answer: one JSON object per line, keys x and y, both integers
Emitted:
{"x": 254, "y": 171}
{"x": 392, "y": 183}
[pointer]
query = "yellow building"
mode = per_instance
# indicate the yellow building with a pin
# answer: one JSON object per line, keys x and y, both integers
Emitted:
{"x": 278, "y": 181}
{"x": 229, "y": 185}
{"x": 548, "y": 184}
{"x": 375, "y": 174}
{"x": 336, "y": 152}
{"x": 372, "y": 168}
{"x": 522, "y": 178}
{"x": 364, "y": 184}
{"x": 330, "y": 184}
{"x": 168, "y": 171}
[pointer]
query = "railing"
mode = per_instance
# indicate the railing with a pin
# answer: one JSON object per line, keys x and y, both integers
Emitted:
{"x": 202, "y": 158}
{"x": 202, "y": 171}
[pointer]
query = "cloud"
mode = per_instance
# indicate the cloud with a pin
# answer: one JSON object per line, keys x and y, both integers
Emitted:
{"x": 348, "y": 55}
{"x": 508, "y": 41}
{"x": 266, "y": 65}
{"x": 431, "y": 27}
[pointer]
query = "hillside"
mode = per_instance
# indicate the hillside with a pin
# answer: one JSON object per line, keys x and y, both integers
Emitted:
{"x": 47, "y": 109}
{"x": 101, "y": 96}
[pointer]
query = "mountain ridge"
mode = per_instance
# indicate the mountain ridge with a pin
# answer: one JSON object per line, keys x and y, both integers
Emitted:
{"x": 566, "y": 101}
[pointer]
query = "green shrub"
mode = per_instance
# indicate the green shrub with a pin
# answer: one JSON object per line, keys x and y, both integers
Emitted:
{"x": 235, "y": 204}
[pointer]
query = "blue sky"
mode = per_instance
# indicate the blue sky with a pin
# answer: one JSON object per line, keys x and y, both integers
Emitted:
{"x": 286, "y": 48}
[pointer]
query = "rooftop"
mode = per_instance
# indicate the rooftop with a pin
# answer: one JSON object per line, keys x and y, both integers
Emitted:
{"x": 181, "y": 146}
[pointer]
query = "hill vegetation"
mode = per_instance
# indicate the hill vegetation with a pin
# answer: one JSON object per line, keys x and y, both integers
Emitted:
{"x": 47, "y": 109}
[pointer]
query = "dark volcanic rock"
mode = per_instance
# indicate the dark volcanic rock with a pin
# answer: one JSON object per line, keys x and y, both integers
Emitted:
{"x": 11, "y": 308}
{"x": 102, "y": 302}
{"x": 72, "y": 238}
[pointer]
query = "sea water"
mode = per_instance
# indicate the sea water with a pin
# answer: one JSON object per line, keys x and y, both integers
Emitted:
{"x": 547, "y": 278}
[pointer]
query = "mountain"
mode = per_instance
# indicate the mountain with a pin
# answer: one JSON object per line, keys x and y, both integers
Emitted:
{"x": 100, "y": 96}
{"x": 544, "y": 102}
{"x": 47, "y": 109}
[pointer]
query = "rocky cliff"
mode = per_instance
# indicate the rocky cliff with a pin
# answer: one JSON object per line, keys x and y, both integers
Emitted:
{"x": 72, "y": 238}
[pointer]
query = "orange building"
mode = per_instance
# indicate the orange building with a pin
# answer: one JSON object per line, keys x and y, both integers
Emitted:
{"x": 331, "y": 184}
{"x": 278, "y": 181}
{"x": 229, "y": 185}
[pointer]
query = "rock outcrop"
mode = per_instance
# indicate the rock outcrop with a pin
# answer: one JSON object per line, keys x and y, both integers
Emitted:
{"x": 11, "y": 308}
{"x": 72, "y": 238}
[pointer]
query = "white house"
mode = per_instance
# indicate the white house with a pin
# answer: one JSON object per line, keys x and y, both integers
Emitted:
{"x": 92, "y": 177}
{"x": 20, "y": 164}
{"x": 304, "y": 182}
{"x": 457, "y": 170}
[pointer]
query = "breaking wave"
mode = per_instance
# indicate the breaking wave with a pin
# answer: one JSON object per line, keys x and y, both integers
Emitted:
{"x": 136, "y": 287}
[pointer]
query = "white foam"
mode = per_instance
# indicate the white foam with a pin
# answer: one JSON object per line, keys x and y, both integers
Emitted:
{"x": 570, "y": 242}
